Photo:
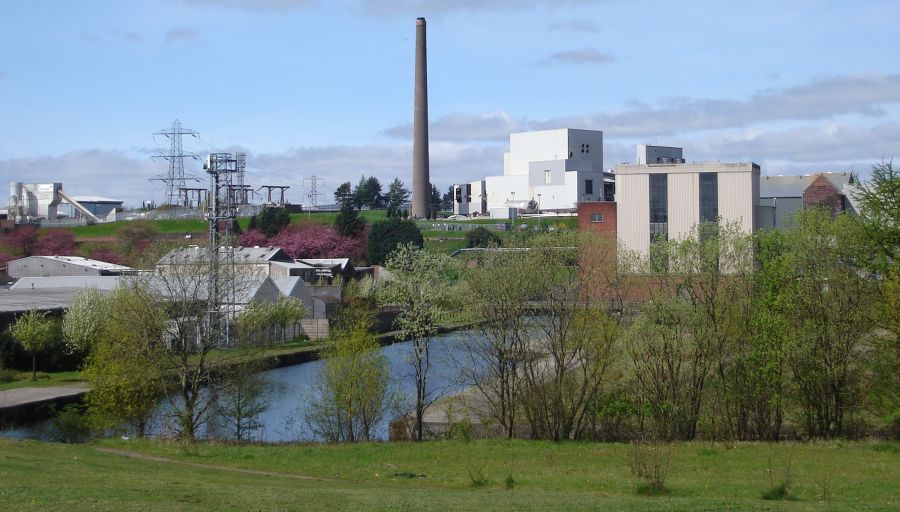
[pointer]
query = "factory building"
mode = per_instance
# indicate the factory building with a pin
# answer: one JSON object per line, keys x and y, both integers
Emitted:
{"x": 556, "y": 169}
{"x": 662, "y": 196}
{"x": 31, "y": 202}
{"x": 470, "y": 199}
{"x": 780, "y": 197}
{"x": 103, "y": 208}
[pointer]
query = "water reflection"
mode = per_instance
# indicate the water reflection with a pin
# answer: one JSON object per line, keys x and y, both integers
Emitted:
{"x": 290, "y": 388}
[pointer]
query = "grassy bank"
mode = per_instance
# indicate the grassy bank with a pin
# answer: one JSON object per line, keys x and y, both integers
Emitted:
{"x": 439, "y": 476}
{"x": 44, "y": 379}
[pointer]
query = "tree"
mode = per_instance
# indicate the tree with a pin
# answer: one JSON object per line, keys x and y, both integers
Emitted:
{"x": 135, "y": 236}
{"x": 56, "y": 242}
{"x": 352, "y": 392}
{"x": 387, "y": 235}
{"x": 368, "y": 192}
{"x": 348, "y": 222}
{"x": 273, "y": 219}
{"x": 833, "y": 308}
{"x": 492, "y": 361}
{"x": 316, "y": 241}
{"x": 670, "y": 368}
{"x": 253, "y": 238}
{"x": 253, "y": 223}
{"x": 35, "y": 332}
{"x": 421, "y": 287}
{"x": 108, "y": 255}
{"x": 343, "y": 193}
{"x": 125, "y": 333}
{"x": 570, "y": 344}
{"x": 447, "y": 200}
{"x": 879, "y": 199}
{"x": 85, "y": 320}
{"x": 481, "y": 237}
{"x": 435, "y": 203}
{"x": 396, "y": 197}
{"x": 287, "y": 311}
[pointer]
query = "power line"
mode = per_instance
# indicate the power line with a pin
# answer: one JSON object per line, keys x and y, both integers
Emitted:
{"x": 314, "y": 193}
{"x": 175, "y": 178}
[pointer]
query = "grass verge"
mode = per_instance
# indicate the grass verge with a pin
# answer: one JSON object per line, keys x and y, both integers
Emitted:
{"x": 548, "y": 476}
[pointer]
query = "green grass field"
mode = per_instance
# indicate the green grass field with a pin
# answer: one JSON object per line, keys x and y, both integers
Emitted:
{"x": 435, "y": 476}
{"x": 23, "y": 380}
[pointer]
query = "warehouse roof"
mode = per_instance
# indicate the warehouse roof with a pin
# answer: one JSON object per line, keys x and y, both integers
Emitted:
{"x": 242, "y": 255}
{"x": 20, "y": 301}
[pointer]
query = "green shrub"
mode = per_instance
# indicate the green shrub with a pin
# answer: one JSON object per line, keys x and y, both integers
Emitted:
{"x": 386, "y": 235}
{"x": 481, "y": 237}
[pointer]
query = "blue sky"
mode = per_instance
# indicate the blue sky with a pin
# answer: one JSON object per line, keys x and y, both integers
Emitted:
{"x": 324, "y": 87}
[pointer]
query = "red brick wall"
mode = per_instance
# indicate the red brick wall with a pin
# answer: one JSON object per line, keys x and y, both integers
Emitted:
{"x": 607, "y": 228}
{"x": 822, "y": 193}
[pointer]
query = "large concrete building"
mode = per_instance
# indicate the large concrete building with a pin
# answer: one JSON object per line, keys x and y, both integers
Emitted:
{"x": 664, "y": 196}
{"x": 556, "y": 169}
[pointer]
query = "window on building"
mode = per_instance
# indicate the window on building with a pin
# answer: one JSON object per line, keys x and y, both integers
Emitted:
{"x": 588, "y": 186}
{"x": 709, "y": 196}
{"x": 596, "y": 217}
{"x": 547, "y": 177}
{"x": 659, "y": 206}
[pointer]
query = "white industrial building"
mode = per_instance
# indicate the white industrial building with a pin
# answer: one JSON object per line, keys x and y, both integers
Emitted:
{"x": 556, "y": 169}
{"x": 663, "y": 196}
{"x": 30, "y": 202}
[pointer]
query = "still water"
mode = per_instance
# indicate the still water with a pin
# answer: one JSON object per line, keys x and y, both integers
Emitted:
{"x": 289, "y": 389}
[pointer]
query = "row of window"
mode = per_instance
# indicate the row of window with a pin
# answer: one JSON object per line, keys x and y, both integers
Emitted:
{"x": 659, "y": 202}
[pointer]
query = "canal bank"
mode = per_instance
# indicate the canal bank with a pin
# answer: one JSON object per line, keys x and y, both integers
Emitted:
{"x": 28, "y": 405}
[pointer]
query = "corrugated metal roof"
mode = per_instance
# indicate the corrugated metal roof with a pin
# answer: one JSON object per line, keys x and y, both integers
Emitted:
{"x": 81, "y": 282}
{"x": 20, "y": 301}
{"x": 242, "y": 255}
{"x": 82, "y": 262}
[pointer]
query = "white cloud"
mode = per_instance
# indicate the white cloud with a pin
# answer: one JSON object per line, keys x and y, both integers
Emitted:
{"x": 463, "y": 127}
{"x": 125, "y": 175}
{"x": 574, "y": 26}
{"x": 822, "y": 99}
{"x": 578, "y": 56}
{"x": 181, "y": 34}
{"x": 113, "y": 35}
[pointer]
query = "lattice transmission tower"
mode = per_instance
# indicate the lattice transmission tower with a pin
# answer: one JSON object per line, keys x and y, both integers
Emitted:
{"x": 313, "y": 194}
{"x": 221, "y": 211}
{"x": 175, "y": 178}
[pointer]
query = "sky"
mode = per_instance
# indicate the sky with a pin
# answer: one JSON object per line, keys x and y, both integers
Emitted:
{"x": 325, "y": 87}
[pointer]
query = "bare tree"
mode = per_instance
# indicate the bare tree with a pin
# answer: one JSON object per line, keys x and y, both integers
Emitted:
{"x": 420, "y": 285}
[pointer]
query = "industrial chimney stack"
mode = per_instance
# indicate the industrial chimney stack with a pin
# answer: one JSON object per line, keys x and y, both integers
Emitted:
{"x": 421, "y": 196}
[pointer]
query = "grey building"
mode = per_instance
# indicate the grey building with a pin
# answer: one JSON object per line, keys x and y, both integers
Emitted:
{"x": 58, "y": 266}
{"x": 780, "y": 197}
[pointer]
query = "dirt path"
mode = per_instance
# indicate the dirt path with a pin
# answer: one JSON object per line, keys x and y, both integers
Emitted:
{"x": 164, "y": 460}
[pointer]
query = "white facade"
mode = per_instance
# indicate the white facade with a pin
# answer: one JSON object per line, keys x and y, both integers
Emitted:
{"x": 34, "y": 200}
{"x": 554, "y": 168}
{"x": 733, "y": 190}
{"x": 470, "y": 199}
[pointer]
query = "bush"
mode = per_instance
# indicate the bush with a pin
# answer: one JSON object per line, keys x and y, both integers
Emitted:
{"x": 481, "y": 237}
{"x": 71, "y": 425}
{"x": 386, "y": 235}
